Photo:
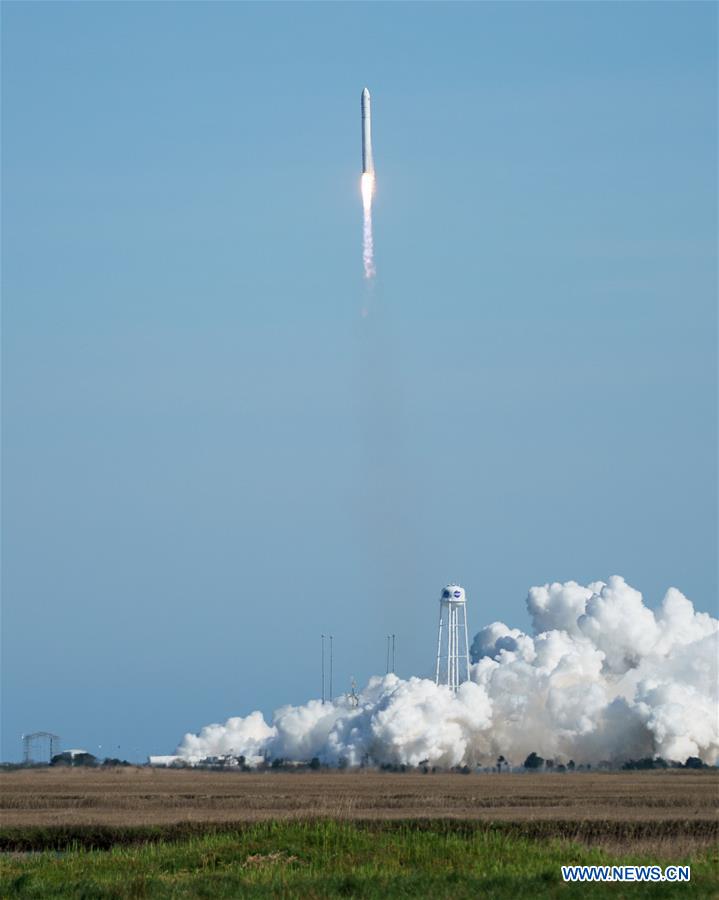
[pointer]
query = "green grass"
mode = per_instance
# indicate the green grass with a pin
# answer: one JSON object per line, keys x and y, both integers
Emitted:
{"x": 333, "y": 859}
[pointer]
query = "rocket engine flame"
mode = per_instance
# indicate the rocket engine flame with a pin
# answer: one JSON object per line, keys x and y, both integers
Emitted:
{"x": 367, "y": 187}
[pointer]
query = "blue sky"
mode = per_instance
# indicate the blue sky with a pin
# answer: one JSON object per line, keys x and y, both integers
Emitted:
{"x": 210, "y": 457}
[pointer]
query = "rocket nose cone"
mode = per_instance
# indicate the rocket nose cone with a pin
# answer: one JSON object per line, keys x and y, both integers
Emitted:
{"x": 365, "y": 94}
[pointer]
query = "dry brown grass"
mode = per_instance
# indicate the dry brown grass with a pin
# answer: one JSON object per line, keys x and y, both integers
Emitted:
{"x": 141, "y": 796}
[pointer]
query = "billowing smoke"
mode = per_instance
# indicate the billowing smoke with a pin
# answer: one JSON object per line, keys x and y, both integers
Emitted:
{"x": 602, "y": 677}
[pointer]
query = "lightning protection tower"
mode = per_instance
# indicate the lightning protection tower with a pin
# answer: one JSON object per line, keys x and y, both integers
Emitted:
{"x": 452, "y": 641}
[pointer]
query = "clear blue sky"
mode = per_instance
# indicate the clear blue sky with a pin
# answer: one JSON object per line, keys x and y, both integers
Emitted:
{"x": 210, "y": 457}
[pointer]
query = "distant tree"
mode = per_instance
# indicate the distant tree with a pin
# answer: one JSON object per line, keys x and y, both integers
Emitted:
{"x": 315, "y": 764}
{"x": 465, "y": 770}
{"x": 561, "y": 768}
{"x": 277, "y": 763}
{"x": 500, "y": 762}
{"x": 61, "y": 759}
{"x": 570, "y": 765}
{"x": 693, "y": 762}
{"x": 342, "y": 762}
{"x": 646, "y": 763}
{"x": 242, "y": 763}
{"x": 74, "y": 759}
{"x": 533, "y": 761}
{"x": 549, "y": 764}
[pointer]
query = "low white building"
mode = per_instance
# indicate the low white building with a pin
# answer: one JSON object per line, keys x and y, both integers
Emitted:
{"x": 164, "y": 760}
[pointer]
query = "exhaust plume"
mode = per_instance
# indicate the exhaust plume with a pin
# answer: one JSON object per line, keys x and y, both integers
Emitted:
{"x": 601, "y": 677}
{"x": 367, "y": 186}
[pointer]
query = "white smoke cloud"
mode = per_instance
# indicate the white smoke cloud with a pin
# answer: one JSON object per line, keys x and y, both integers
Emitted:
{"x": 558, "y": 606}
{"x": 239, "y": 736}
{"x": 601, "y": 677}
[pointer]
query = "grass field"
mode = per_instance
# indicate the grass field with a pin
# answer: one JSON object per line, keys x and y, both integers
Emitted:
{"x": 143, "y": 833}
{"x": 325, "y": 859}
{"x": 142, "y": 796}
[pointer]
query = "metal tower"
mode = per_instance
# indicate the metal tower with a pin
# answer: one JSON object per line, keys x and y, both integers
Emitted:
{"x": 323, "y": 668}
{"x": 452, "y": 641}
{"x": 36, "y": 743}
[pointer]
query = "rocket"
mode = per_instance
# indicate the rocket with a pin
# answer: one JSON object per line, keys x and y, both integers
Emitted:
{"x": 367, "y": 162}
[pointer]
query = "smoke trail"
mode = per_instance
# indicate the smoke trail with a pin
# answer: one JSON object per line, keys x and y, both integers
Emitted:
{"x": 367, "y": 240}
{"x": 603, "y": 677}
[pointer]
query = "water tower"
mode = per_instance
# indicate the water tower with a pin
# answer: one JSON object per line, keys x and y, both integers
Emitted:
{"x": 452, "y": 641}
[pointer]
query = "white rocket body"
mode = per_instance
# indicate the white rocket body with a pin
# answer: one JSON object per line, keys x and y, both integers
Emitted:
{"x": 367, "y": 161}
